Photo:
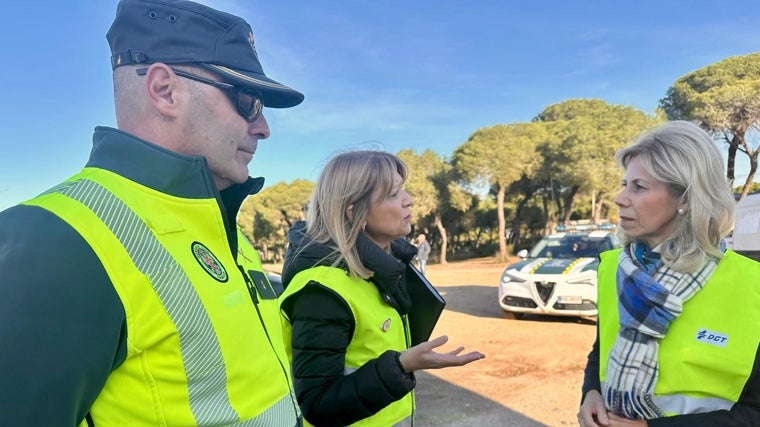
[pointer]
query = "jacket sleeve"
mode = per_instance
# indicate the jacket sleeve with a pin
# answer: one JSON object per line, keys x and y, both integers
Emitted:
{"x": 591, "y": 379}
{"x": 322, "y": 329}
{"x": 62, "y": 325}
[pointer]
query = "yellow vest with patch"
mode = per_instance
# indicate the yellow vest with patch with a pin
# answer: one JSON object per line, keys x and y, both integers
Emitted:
{"x": 378, "y": 328}
{"x": 199, "y": 351}
{"x": 707, "y": 355}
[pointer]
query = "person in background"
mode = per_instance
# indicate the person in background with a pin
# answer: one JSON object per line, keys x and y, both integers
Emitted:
{"x": 423, "y": 252}
{"x": 678, "y": 336}
{"x": 129, "y": 296}
{"x": 345, "y": 301}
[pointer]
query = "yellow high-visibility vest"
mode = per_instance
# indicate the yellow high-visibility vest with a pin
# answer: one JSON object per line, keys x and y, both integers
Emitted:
{"x": 378, "y": 328}
{"x": 199, "y": 350}
{"x": 707, "y": 355}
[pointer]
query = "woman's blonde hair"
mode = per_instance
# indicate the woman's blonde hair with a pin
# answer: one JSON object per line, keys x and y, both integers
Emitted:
{"x": 684, "y": 157}
{"x": 342, "y": 199}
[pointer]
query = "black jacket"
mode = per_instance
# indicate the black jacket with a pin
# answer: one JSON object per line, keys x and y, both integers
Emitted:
{"x": 323, "y": 326}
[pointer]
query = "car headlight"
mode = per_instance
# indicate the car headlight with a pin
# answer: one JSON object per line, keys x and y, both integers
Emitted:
{"x": 588, "y": 280}
{"x": 507, "y": 277}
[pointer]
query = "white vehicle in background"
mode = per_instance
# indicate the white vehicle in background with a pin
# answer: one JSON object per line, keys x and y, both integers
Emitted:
{"x": 746, "y": 236}
{"x": 558, "y": 275}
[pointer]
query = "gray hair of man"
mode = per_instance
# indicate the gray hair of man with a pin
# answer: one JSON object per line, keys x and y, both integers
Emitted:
{"x": 132, "y": 104}
{"x": 686, "y": 159}
{"x": 342, "y": 198}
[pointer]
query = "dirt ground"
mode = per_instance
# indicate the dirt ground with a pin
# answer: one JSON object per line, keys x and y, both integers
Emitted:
{"x": 533, "y": 369}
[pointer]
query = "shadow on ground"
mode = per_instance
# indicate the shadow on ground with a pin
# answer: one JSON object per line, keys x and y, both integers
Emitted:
{"x": 442, "y": 404}
{"x": 475, "y": 300}
{"x": 481, "y": 301}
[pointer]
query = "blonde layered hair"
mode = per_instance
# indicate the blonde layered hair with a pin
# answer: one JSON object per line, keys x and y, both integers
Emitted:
{"x": 342, "y": 199}
{"x": 684, "y": 158}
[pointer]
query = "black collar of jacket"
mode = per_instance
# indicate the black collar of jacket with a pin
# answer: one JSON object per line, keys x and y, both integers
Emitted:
{"x": 389, "y": 268}
{"x": 168, "y": 172}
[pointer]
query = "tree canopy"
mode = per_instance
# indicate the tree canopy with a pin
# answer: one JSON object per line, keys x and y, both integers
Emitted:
{"x": 266, "y": 217}
{"x": 557, "y": 167}
{"x": 724, "y": 99}
{"x": 587, "y": 134}
{"x": 500, "y": 156}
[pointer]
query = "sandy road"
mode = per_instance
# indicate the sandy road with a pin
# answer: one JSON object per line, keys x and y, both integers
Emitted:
{"x": 533, "y": 369}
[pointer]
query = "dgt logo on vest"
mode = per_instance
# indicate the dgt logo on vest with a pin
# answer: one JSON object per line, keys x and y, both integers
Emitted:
{"x": 712, "y": 337}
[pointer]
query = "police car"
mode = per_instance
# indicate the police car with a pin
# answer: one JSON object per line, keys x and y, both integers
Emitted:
{"x": 558, "y": 275}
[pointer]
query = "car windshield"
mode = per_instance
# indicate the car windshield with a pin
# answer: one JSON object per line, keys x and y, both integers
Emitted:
{"x": 570, "y": 246}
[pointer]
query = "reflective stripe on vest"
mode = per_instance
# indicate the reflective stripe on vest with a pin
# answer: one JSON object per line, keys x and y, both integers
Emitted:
{"x": 681, "y": 404}
{"x": 200, "y": 350}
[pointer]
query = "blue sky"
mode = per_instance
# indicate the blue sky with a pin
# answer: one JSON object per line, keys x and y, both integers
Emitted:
{"x": 377, "y": 73}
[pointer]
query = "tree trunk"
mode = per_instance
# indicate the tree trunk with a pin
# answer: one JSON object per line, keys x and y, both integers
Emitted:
{"x": 502, "y": 222}
{"x": 549, "y": 214}
{"x": 569, "y": 202}
{"x": 517, "y": 222}
{"x": 444, "y": 237}
{"x": 516, "y": 232}
{"x": 733, "y": 145}
{"x": 751, "y": 174}
{"x": 558, "y": 205}
{"x": 545, "y": 206}
{"x": 596, "y": 213}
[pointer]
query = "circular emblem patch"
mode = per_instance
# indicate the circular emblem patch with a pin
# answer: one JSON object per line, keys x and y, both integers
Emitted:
{"x": 208, "y": 261}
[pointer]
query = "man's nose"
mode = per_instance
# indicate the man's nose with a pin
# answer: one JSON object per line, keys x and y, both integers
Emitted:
{"x": 259, "y": 127}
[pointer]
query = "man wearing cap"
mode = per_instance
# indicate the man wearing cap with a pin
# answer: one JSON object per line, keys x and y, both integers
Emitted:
{"x": 129, "y": 295}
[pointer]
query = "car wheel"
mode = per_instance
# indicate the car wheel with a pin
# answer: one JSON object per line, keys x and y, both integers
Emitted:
{"x": 511, "y": 315}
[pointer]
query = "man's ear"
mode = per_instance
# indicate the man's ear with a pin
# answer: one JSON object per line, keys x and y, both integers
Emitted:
{"x": 161, "y": 86}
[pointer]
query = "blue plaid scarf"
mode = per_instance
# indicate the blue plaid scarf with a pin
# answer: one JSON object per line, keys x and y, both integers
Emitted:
{"x": 650, "y": 298}
{"x": 642, "y": 300}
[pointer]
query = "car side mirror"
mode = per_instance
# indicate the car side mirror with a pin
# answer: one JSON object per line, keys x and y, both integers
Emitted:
{"x": 522, "y": 253}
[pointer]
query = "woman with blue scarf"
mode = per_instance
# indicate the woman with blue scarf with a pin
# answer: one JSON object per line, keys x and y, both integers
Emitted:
{"x": 679, "y": 316}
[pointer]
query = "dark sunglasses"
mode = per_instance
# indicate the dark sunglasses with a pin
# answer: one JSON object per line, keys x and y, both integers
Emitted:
{"x": 247, "y": 101}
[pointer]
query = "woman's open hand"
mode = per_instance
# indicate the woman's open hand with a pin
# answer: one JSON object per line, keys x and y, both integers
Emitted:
{"x": 423, "y": 356}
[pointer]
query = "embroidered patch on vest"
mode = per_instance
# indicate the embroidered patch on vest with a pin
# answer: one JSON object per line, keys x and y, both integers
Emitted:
{"x": 712, "y": 337}
{"x": 208, "y": 261}
{"x": 386, "y": 325}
